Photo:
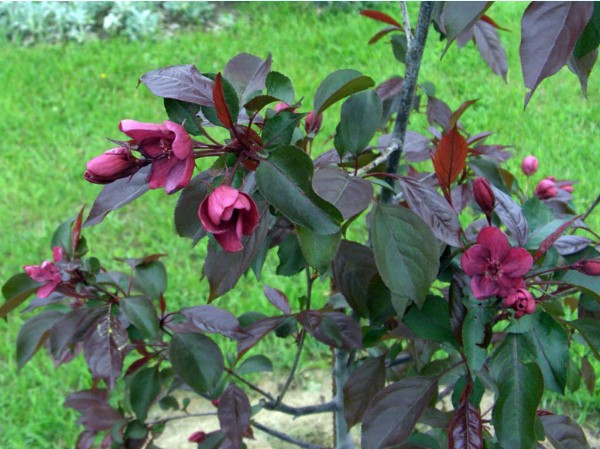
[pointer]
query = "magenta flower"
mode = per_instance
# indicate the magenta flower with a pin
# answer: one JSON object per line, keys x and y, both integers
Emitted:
{"x": 228, "y": 213}
{"x": 170, "y": 149}
{"x": 312, "y": 125}
{"x": 46, "y": 273}
{"x": 546, "y": 189}
{"x": 197, "y": 437}
{"x": 521, "y": 301}
{"x": 112, "y": 165}
{"x": 484, "y": 195}
{"x": 529, "y": 165}
{"x": 495, "y": 268}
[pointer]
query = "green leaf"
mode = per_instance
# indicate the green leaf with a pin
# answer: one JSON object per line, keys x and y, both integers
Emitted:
{"x": 279, "y": 129}
{"x": 285, "y": 181}
{"x": 399, "y": 47}
{"x": 144, "y": 388}
{"x": 280, "y": 87}
{"x": 474, "y": 333}
{"x": 152, "y": 277}
{"x": 590, "y": 330}
{"x": 520, "y": 389}
{"x": 197, "y": 360}
{"x": 552, "y": 347}
{"x": 183, "y": 113}
{"x": 590, "y": 284}
{"x": 141, "y": 313}
{"x": 34, "y": 333}
{"x": 16, "y": 290}
{"x": 255, "y": 364}
{"x": 318, "y": 250}
{"x": 360, "y": 117}
{"x": 432, "y": 321}
{"x": 405, "y": 252}
{"x": 187, "y": 223}
{"x": 338, "y": 85}
{"x": 291, "y": 259}
{"x": 589, "y": 39}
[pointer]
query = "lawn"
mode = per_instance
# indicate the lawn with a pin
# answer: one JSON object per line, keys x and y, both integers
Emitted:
{"x": 59, "y": 102}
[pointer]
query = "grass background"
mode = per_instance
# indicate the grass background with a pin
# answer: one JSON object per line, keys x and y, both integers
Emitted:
{"x": 59, "y": 102}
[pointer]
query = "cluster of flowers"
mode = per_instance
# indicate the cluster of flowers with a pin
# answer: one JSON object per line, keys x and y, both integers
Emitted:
{"x": 549, "y": 187}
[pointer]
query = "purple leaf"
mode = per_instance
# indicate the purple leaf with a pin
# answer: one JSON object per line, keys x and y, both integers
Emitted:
{"x": 212, "y": 319}
{"x": 490, "y": 47}
{"x": 234, "y": 414}
{"x": 247, "y": 73}
{"x": 85, "y": 440}
{"x": 34, "y": 333}
{"x": 563, "y": 432}
{"x": 416, "y": 147}
{"x": 582, "y": 67}
{"x": 511, "y": 214}
{"x": 97, "y": 414}
{"x": 458, "y": 17}
{"x": 394, "y": 411}
{"x": 223, "y": 269}
{"x": 433, "y": 209}
{"x": 277, "y": 298}
{"x": 549, "y": 32}
{"x": 466, "y": 429}
{"x": 349, "y": 194}
{"x": 364, "y": 383}
{"x": 390, "y": 88}
{"x": 180, "y": 82}
{"x": 118, "y": 194}
{"x": 438, "y": 112}
{"x": 256, "y": 332}
{"x": 103, "y": 349}
{"x": 332, "y": 328}
{"x": 571, "y": 244}
{"x": 187, "y": 222}
{"x": 64, "y": 329}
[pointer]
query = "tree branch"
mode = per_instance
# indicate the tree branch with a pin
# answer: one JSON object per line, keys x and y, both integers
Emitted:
{"x": 343, "y": 440}
{"x": 409, "y": 85}
{"x": 406, "y": 23}
{"x": 300, "y": 411}
{"x": 284, "y": 437}
{"x": 186, "y": 416}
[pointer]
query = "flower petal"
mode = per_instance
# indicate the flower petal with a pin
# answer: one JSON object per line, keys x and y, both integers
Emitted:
{"x": 140, "y": 130}
{"x": 229, "y": 241}
{"x": 159, "y": 172}
{"x": 45, "y": 290}
{"x": 483, "y": 287}
{"x": 517, "y": 262}
{"x": 495, "y": 240}
{"x": 182, "y": 143}
{"x": 475, "y": 260}
{"x": 179, "y": 176}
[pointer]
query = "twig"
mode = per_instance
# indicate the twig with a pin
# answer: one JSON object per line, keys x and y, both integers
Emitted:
{"x": 406, "y": 23}
{"x": 300, "y": 411}
{"x": 414, "y": 55}
{"x": 591, "y": 208}
{"x": 284, "y": 437}
{"x": 343, "y": 440}
{"x": 288, "y": 382}
{"x": 173, "y": 418}
{"x": 251, "y": 385}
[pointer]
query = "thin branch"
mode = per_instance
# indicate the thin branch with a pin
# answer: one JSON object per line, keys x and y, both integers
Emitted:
{"x": 251, "y": 385}
{"x": 591, "y": 208}
{"x": 300, "y": 411}
{"x": 409, "y": 85}
{"x": 173, "y": 418}
{"x": 284, "y": 437}
{"x": 406, "y": 23}
{"x": 288, "y": 382}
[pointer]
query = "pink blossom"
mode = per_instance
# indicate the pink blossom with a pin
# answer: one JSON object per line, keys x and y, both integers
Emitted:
{"x": 170, "y": 149}
{"x": 495, "y": 268}
{"x": 546, "y": 189}
{"x": 312, "y": 125}
{"x": 47, "y": 273}
{"x": 521, "y": 301}
{"x": 197, "y": 437}
{"x": 281, "y": 106}
{"x": 228, "y": 213}
{"x": 529, "y": 165}
{"x": 484, "y": 195}
{"x": 112, "y": 165}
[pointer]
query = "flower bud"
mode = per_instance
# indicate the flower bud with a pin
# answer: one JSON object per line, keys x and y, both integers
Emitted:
{"x": 546, "y": 189}
{"x": 112, "y": 165}
{"x": 484, "y": 195}
{"x": 591, "y": 267}
{"x": 197, "y": 437}
{"x": 312, "y": 125}
{"x": 281, "y": 106}
{"x": 521, "y": 301}
{"x": 529, "y": 165}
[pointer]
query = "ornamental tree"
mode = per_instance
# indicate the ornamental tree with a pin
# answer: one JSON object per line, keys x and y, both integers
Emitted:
{"x": 461, "y": 281}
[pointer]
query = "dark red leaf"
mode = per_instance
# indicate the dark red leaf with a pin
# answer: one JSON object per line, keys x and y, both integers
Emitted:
{"x": 563, "y": 432}
{"x": 465, "y": 430}
{"x": 220, "y": 103}
{"x": 34, "y": 333}
{"x": 489, "y": 20}
{"x": 364, "y": 383}
{"x": 549, "y": 32}
{"x": 76, "y": 231}
{"x": 491, "y": 49}
{"x": 552, "y": 238}
{"x": 381, "y": 17}
{"x": 211, "y": 319}
{"x": 97, "y": 414}
{"x": 256, "y": 332}
{"x": 382, "y": 33}
{"x": 277, "y": 298}
{"x": 438, "y": 112}
{"x": 390, "y": 88}
{"x": 332, "y": 328}
{"x": 449, "y": 158}
{"x": 234, "y": 414}
{"x": 458, "y": 113}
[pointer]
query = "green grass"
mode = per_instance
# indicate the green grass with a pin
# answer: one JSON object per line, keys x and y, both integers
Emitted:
{"x": 59, "y": 102}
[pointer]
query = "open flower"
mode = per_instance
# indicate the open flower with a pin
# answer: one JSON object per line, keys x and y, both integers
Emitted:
{"x": 170, "y": 149}
{"x": 521, "y": 301}
{"x": 495, "y": 268}
{"x": 228, "y": 214}
{"x": 112, "y": 165}
{"x": 46, "y": 273}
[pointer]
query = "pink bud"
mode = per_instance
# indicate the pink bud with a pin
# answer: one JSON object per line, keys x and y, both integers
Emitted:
{"x": 484, "y": 195}
{"x": 112, "y": 165}
{"x": 312, "y": 125}
{"x": 521, "y": 301}
{"x": 546, "y": 189}
{"x": 591, "y": 267}
{"x": 281, "y": 106}
{"x": 197, "y": 437}
{"x": 529, "y": 165}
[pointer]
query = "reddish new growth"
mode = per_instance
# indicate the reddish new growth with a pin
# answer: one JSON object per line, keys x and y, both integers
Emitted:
{"x": 495, "y": 268}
